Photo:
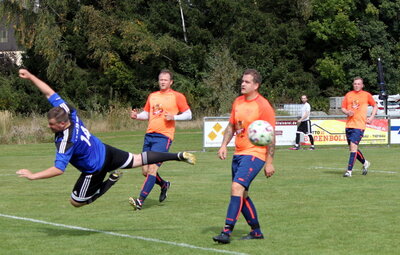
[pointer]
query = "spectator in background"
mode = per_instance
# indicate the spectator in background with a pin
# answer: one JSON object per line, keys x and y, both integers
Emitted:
{"x": 304, "y": 124}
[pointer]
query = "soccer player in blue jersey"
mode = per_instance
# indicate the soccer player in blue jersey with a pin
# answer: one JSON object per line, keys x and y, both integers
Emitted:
{"x": 94, "y": 159}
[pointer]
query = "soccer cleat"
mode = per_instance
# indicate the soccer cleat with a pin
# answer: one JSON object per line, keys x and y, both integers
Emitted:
{"x": 164, "y": 190}
{"x": 365, "y": 167}
{"x": 188, "y": 157}
{"x": 135, "y": 203}
{"x": 312, "y": 148}
{"x": 223, "y": 238}
{"x": 294, "y": 148}
{"x": 347, "y": 174}
{"x": 252, "y": 235}
{"x": 115, "y": 175}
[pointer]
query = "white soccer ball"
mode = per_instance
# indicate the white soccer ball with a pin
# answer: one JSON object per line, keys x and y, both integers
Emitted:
{"x": 260, "y": 133}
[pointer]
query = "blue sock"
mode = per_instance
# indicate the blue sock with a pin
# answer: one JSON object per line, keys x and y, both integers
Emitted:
{"x": 234, "y": 208}
{"x": 147, "y": 186}
{"x": 360, "y": 157}
{"x": 160, "y": 181}
{"x": 352, "y": 158}
{"x": 250, "y": 214}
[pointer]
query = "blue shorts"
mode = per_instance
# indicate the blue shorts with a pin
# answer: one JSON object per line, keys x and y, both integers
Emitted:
{"x": 156, "y": 142}
{"x": 354, "y": 135}
{"x": 245, "y": 168}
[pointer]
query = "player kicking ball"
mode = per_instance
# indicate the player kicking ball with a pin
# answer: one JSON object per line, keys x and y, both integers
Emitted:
{"x": 94, "y": 159}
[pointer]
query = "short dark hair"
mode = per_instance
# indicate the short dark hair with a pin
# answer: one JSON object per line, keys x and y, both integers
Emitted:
{"x": 59, "y": 114}
{"x": 171, "y": 75}
{"x": 256, "y": 75}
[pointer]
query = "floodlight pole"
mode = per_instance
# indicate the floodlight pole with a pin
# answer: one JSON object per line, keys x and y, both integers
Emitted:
{"x": 383, "y": 94}
{"x": 183, "y": 22}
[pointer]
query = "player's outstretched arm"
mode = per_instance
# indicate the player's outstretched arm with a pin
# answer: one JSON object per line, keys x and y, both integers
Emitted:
{"x": 48, "y": 173}
{"x": 41, "y": 85}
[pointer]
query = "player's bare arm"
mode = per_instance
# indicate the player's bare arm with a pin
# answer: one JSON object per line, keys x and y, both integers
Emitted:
{"x": 347, "y": 112}
{"x": 269, "y": 169}
{"x": 169, "y": 116}
{"x": 371, "y": 118}
{"x": 41, "y": 85}
{"x": 228, "y": 134}
{"x": 48, "y": 173}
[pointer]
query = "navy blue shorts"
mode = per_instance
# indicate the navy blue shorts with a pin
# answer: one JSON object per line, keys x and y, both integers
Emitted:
{"x": 245, "y": 168}
{"x": 156, "y": 142}
{"x": 354, "y": 135}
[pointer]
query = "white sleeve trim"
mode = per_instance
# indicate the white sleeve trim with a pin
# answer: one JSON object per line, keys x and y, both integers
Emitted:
{"x": 186, "y": 115}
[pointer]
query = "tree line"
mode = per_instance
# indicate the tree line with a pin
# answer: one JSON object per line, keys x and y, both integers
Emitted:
{"x": 103, "y": 53}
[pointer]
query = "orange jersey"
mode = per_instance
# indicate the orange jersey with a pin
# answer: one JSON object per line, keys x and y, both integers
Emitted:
{"x": 357, "y": 101}
{"x": 160, "y": 103}
{"x": 243, "y": 114}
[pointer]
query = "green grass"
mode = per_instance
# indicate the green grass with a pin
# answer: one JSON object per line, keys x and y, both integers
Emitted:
{"x": 307, "y": 207}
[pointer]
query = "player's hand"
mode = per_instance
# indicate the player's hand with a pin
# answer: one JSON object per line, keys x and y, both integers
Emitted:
{"x": 222, "y": 152}
{"x": 269, "y": 170}
{"x": 350, "y": 113}
{"x": 24, "y": 74}
{"x": 169, "y": 116}
{"x": 134, "y": 114}
{"x": 25, "y": 173}
{"x": 370, "y": 119}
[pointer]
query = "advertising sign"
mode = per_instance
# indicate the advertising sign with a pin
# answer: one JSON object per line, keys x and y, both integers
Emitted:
{"x": 395, "y": 131}
{"x": 213, "y": 133}
{"x": 332, "y": 132}
{"x": 325, "y": 132}
{"x": 285, "y": 132}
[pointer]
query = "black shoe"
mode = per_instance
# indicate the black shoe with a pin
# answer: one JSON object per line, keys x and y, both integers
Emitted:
{"x": 252, "y": 235}
{"x": 223, "y": 238}
{"x": 164, "y": 190}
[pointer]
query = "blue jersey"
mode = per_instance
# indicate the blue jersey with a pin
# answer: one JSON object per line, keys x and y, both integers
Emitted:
{"x": 75, "y": 144}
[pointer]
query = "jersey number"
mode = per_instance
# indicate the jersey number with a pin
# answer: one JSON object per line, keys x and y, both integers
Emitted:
{"x": 86, "y": 136}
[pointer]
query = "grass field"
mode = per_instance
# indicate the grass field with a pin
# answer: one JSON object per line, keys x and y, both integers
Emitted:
{"x": 307, "y": 207}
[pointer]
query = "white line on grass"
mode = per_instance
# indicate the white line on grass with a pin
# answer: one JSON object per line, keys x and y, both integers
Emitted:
{"x": 122, "y": 235}
{"x": 370, "y": 171}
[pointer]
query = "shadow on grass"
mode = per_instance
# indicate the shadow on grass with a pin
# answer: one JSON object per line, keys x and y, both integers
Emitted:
{"x": 149, "y": 203}
{"x": 216, "y": 230}
{"x": 332, "y": 172}
{"x": 67, "y": 232}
